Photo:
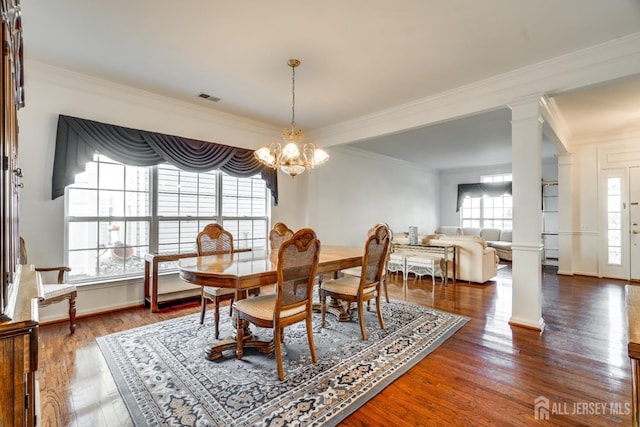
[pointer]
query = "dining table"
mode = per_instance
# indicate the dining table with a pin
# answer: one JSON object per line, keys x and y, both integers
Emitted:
{"x": 246, "y": 270}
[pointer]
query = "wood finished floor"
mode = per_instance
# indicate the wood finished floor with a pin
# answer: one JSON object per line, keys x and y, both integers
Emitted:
{"x": 488, "y": 373}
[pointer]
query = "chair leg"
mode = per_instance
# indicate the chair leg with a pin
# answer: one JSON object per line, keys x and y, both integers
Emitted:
{"x": 216, "y": 317}
{"x": 384, "y": 284}
{"x": 323, "y": 306}
{"x": 361, "y": 319}
{"x": 312, "y": 347}
{"x": 277, "y": 339}
{"x": 203, "y": 308}
{"x": 72, "y": 313}
{"x": 379, "y": 310}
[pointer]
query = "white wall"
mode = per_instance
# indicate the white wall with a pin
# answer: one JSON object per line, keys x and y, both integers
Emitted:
{"x": 356, "y": 189}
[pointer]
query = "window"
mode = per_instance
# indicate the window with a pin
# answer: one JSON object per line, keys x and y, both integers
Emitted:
{"x": 488, "y": 212}
{"x": 614, "y": 221}
{"x": 117, "y": 213}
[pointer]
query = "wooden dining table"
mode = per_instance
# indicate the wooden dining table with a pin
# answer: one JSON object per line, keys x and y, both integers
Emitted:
{"x": 246, "y": 270}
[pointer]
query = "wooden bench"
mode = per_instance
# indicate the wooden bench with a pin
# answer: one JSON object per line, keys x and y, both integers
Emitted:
{"x": 151, "y": 261}
{"x": 633, "y": 347}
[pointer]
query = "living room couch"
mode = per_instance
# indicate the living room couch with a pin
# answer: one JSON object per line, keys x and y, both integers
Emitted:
{"x": 476, "y": 262}
{"x": 495, "y": 238}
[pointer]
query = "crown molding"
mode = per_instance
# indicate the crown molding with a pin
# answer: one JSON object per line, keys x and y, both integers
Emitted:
{"x": 62, "y": 77}
{"x": 596, "y": 64}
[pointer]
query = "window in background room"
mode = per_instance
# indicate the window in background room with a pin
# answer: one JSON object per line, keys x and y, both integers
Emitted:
{"x": 116, "y": 214}
{"x": 488, "y": 212}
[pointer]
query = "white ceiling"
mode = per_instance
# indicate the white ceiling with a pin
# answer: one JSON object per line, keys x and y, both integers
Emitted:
{"x": 359, "y": 57}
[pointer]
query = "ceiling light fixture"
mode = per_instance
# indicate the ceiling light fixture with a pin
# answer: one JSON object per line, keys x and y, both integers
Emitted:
{"x": 290, "y": 159}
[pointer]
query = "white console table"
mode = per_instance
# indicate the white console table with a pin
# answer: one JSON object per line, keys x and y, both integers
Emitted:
{"x": 420, "y": 259}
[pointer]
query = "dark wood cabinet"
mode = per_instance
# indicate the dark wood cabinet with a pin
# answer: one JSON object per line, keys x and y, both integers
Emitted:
{"x": 18, "y": 303}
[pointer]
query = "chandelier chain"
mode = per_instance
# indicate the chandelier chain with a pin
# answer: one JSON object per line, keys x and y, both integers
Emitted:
{"x": 293, "y": 97}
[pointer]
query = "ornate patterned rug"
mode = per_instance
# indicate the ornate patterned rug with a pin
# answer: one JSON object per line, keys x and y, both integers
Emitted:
{"x": 164, "y": 378}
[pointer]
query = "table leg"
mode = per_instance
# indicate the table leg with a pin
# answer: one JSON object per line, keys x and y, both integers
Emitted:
{"x": 446, "y": 267}
{"x": 455, "y": 263}
{"x": 154, "y": 286}
{"x": 146, "y": 283}
{"x": 214, "y": 350}
{"x": 635, "y": 415}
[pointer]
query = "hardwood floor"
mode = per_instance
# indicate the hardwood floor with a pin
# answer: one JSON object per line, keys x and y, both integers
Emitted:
{"x": 488, "y": 373}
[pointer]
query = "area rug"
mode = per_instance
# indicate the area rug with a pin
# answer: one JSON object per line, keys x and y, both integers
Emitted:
{"x": 164, "y": 378}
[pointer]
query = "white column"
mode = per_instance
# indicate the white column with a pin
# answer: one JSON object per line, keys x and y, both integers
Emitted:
{"x": 565, "y": 214}
{"x": 526, "y": 145}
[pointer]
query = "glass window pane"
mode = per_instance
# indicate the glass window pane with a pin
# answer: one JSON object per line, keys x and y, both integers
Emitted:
{"x": 137, "y": 204}
{"x": 188, "y": 204}
{"x": 614, "y": 220}
{"x": 83, "y": 264}
{"x": 615, "y": 256}
{"x": 136, "y": 178}
{"x": 614, "y": 202}
{"x": 82, "y": 235}
{"x": 168, "y": 204}
{"x": 111, "y": 176}
{"x": 110, "y": 203}
{"x": 82, "y": 202}
{"x": 614, "y": 237}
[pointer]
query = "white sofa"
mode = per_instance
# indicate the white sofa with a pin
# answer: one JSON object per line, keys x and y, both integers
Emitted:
{"x": 495, "y": 238}
{"x": 476, "y": 262}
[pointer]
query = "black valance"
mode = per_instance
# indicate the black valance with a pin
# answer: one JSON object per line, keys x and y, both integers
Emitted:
{"x": 492, "y": 189}
{"x": 78, "y": 139}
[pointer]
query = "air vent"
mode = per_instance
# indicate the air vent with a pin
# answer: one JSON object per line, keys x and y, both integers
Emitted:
{"x": 209, "y": 97}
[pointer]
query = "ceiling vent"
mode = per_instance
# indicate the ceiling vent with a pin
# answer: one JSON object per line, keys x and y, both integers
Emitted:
{"x": 209, "y": 97}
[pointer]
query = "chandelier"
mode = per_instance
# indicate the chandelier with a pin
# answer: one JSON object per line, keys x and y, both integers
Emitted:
{"x": 291, "y": 159}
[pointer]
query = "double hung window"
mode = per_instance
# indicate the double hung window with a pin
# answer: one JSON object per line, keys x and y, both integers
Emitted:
{"x": 486, "y": 211}
{"x": 115, "y": 214}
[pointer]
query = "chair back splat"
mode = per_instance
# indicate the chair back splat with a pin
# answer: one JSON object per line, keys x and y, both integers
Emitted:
{"x": 297, "y": 262}
{"x": 213, "y": 240}
{"x": 279, "y": 234}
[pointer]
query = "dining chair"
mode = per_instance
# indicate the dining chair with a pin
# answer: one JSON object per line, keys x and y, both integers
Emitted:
{"x": 357, "y": 271}
{"x": 278, "y": 235}
{"x": 297, "y": 260}
{"x": 352, "y": 289}
{"x": 214, "y": 240}
{"x": 50, "y": 293}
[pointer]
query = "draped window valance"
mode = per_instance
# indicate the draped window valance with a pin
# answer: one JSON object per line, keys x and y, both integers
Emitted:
{"x": 492, "y": 189}
{"x": 78, "y": 139}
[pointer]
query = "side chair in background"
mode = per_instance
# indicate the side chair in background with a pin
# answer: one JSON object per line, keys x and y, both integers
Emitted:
{"x": 278, "y": 235}
{"x": 352, "y": 289}
{"x": 215, "y": 240}
{"x": 356, "y": 271}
